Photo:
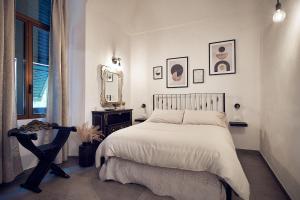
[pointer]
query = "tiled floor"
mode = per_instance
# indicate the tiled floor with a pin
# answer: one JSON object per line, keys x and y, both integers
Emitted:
{"x": 85, "y": 185}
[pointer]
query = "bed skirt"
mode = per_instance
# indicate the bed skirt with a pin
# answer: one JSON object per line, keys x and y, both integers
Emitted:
{"x": 178, "y": 184}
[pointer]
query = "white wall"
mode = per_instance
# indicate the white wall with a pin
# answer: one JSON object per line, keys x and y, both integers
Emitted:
{"x": 280, "y": 137}
{"x": 94, "y": 39}
{"x": 153, "y": 48}
{"x": 104, "y": 38}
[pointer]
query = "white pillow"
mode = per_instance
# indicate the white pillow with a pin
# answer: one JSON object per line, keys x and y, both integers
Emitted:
{"x": 199, "y": 117}
{"x": 167, "y": 116}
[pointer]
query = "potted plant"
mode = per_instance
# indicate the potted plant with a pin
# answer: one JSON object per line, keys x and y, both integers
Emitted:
{"x": 87, "y": 150}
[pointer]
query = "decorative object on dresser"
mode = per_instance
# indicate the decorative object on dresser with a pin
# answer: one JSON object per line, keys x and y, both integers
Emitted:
{"x": 112, "y": 120}
{"x": 91, "y": 138}
{"x": 157, "y": 73}
{"x": 222, "y": 59}
{"x": 198, "y": 76}
{"x": 177, "y": 72}
{"x": 123, "y": 105}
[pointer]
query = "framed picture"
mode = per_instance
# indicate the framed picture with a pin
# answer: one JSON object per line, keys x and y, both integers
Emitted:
{"x": 177, "y": 72}
{"x": 110, "y": 77}
{"x": 198, "y": 76}
{"x": 222, "y": 59}
{"x": 157, "y": 73}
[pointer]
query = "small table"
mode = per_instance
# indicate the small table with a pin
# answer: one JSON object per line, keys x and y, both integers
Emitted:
{"x": 238, "y": 124}
{"x": 140, "y": 120}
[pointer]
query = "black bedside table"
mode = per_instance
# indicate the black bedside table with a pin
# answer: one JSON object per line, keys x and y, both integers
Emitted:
{"x": 140, "y": 120}
{"x": 238, "y": 124}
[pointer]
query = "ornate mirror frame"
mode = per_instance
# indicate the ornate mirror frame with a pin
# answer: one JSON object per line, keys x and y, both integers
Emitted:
{"x": 104, "y": 72}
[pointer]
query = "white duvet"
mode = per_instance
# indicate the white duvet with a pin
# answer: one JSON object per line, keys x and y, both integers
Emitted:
{"x": 188, "y": 147}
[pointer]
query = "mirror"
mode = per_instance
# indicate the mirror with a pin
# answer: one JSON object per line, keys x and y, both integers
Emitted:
{"x": 111, "y": 89}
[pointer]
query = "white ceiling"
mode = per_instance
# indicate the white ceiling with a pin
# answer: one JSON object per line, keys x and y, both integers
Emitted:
{"x": 138, "y": 16}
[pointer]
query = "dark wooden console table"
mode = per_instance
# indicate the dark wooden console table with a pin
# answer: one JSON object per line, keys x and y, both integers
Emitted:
{"x": 112, "y": 120}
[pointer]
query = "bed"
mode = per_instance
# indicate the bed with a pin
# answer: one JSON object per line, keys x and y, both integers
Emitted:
{"x": 175, "y": 156}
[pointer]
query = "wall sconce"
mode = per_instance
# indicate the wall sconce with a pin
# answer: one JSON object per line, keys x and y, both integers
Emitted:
{"x": 279, "y": 14}
{"x": 237, "y": 115}
{"x": 144, "y": 111}
{"x": 237, "y": 106}
{"x": 116, "y": 60}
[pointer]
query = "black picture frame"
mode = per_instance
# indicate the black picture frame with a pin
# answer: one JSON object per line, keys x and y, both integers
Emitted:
{"x": 185, "y": 60}
{"x": 155, "y": 75}
{"x": 194, "y": 70}
{"x": 232, "y": 60}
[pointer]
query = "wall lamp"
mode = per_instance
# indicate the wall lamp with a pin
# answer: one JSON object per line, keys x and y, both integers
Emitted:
{"x": 279, "y": 15}
{"x": 116, "y": 60}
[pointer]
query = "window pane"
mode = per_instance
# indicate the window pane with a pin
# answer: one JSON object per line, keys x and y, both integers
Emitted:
{"x": 36, "y": 9}
{"x": 40, "y": 70}
{"x": 40, "y": 46}
{"x": 20, "y": 65}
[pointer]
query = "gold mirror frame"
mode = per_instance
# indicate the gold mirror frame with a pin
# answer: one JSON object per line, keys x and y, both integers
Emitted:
{"x": 104, "y": 71}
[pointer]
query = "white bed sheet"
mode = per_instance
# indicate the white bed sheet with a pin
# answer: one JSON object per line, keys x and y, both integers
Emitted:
{"x": 186, "y": 147}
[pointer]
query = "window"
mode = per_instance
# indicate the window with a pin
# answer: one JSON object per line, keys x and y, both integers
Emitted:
{"x": 32, "y": 57}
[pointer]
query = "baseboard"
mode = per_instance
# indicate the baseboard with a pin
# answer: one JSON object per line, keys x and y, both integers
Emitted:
{"x": 277, "y": 177}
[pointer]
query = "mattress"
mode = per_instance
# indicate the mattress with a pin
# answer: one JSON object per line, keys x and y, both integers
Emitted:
{"x": 197, "y": 148}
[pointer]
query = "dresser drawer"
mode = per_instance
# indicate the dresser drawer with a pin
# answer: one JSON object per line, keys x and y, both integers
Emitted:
{"x": 113, "y": 120}
{"x": 117, "y": 118}
{"x": 112, "y": 129}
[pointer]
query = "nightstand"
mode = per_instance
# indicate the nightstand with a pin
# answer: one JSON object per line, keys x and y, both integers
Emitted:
{"x": 140, "y": 120}
{"x": 238, "y": 124}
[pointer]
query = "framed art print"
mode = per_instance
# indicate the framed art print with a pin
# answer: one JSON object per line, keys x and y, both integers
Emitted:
{"x": 222, "y": 58}
{"x": 198, "y": 76}
{"x": 110, "y": 77}
{"x": 157, "y": 73}
{"x": 177, "y": 72}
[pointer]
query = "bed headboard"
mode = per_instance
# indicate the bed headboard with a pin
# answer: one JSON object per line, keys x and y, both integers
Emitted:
{"x": 193, "y": 101}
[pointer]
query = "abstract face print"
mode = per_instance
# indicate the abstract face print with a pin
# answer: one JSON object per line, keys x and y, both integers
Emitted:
{"x": 177, "y": 72}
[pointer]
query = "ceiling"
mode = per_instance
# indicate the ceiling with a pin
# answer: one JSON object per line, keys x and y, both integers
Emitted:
{"x": 139, "y": 16}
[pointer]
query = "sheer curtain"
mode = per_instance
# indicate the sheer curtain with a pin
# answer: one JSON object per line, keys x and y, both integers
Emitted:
{"x": 58, "y": 88}
{"x": 10, "y": 161}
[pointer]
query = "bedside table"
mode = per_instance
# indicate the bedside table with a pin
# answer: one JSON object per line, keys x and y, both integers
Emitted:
{"x": 238, "y": 124}
{"x": 140, "y": 120}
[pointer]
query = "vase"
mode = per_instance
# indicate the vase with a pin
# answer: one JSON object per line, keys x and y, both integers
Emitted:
{"x": 86, "y": 154}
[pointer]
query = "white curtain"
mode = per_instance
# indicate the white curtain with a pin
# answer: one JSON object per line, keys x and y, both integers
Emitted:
{"x": 58, "y": 88}
{"x": 10, "y": 161}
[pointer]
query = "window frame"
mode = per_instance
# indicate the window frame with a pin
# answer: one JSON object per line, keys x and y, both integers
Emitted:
{"x": 29, "y": 23}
